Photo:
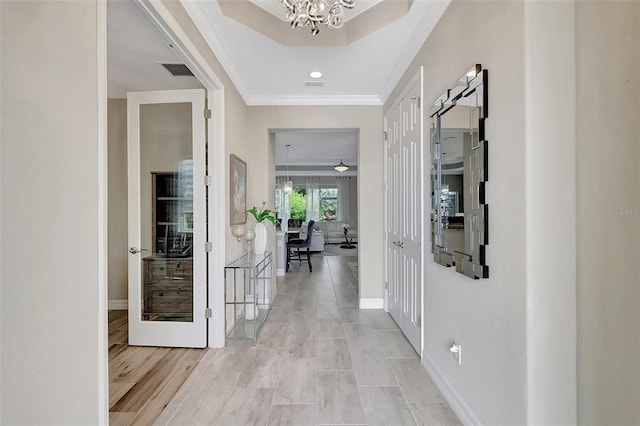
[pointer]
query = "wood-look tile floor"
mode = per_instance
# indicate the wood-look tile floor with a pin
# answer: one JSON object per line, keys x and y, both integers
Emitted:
{"x": 143, "y": 380}
{"x": 319, "y": 360}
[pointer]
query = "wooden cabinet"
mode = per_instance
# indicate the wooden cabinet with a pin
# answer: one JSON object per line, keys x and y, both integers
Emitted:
{"x": 168, "y": 289}
{"x": 172, "y": 213}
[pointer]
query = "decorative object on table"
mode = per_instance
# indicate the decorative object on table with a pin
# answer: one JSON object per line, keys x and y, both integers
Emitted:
{"x": 313, "y": 13}
{"x": 238, "y": 191}
{"x": 238, "y": 231}
{"x": 348, "y": 242}
{"x": 249, "y": 236}
{"x": 260, "y": 244}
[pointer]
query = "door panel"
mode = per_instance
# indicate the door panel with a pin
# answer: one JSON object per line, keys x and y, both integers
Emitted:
{"x": 404, "y": 212}
{"x": 167, "y": 218}
{"x": 412, "y": 208}
{"x": 393, "y": 212}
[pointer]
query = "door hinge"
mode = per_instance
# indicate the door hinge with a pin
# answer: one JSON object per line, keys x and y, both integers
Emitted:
{"x": 385, "y": 136}
{"x": 208, "y": 313}
{"x": 208, "y": 180}
{"x": 208, "y": 246}
{"x": 207, "y": 113}
{"x": 386, "y": 285}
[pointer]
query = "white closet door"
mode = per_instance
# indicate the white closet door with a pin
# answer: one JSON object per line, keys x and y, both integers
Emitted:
{"x": 404, "y": 211}
{"x": 393, "y": 213}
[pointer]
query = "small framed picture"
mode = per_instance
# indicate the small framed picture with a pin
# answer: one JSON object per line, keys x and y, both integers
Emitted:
{"x": 238, "y": 191}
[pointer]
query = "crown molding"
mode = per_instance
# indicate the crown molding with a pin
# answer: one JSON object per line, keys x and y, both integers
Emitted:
{"x": 202, "y": 19}
{"x": 359, "y": 100}
{"x": 435, "y": 10}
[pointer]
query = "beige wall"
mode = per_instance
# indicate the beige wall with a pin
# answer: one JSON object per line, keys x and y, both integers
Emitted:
{"x": 608, "y": 212}
{"x": 118, "y": 250}
{"x": 235, "y": 116}
{"x": 53, "y": 327}
{"x": 576, "y": 153}
{"x": 487, "y": 317}
{"x": 368, "y": 120}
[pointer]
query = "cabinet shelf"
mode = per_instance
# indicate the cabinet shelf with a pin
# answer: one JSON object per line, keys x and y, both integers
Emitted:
{"x": 174, "y": 199}
{"x": 172, "y": 213}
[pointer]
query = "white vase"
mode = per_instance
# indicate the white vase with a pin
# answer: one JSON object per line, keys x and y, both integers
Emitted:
{"x": 260, "y": 242}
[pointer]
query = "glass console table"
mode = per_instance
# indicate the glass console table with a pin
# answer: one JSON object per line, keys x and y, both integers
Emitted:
{"x": 248, "y": 295}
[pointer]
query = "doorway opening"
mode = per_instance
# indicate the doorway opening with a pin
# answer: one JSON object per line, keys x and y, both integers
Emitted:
{"x": 307, "y": 158}
{"x": 140, "y": 40}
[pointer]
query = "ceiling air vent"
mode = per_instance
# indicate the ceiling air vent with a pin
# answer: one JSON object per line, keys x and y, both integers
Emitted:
{"x": 314, "y": 83}
{"x": 178, "y": 70}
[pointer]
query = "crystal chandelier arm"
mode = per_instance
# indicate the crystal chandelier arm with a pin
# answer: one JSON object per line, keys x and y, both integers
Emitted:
{"x": 311, "y": 13}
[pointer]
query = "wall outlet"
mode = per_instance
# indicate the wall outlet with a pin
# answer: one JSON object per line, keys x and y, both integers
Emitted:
{"x": 456, "y": 351}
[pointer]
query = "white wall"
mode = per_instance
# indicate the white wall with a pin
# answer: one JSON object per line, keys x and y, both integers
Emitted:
{"x": 370, "y": 150}
{"x": 487, "y": 317}
{"x": 608, "y": 212}
{"x": 550, "y": 103}
{"x": 53, "y": 346}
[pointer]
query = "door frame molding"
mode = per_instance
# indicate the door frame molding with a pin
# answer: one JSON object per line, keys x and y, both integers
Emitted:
{"x": 195, "y": 61}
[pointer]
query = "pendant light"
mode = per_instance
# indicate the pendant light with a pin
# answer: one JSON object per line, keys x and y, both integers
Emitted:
{"x": 288, "y": 185}
{"x": 341, "y": 167}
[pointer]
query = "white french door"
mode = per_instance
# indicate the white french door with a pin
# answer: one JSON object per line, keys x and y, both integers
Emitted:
{"x": 404, "y": 211}
{"x": 167, "y": 218}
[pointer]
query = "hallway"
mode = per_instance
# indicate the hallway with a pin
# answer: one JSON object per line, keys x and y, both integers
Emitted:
{"x": 319, "y": 360}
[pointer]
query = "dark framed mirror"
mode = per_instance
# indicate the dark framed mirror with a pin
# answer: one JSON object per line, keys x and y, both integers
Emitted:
{"x": 459, "y": 172}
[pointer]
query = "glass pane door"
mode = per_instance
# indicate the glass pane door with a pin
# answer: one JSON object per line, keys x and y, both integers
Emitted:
{"x": 167, "y": 276}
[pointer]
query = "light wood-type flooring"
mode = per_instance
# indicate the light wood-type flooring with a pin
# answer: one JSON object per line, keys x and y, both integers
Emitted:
{"x": 319, "y": 360}
{"x": 143, "y": 380}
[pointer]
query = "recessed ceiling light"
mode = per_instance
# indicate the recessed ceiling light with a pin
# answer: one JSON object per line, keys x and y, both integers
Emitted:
{"x": 315, "y": 74}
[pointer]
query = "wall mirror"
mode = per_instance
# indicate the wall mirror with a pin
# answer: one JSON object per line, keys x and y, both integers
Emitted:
{"x": 459, "y": 219}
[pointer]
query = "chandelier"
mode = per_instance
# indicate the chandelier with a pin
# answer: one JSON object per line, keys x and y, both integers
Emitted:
{"x": 303, "y": 13}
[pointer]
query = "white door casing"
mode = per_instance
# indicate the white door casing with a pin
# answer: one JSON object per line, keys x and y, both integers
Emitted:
{"x": 167, "y": 333}
{"x": 405, "y": 211}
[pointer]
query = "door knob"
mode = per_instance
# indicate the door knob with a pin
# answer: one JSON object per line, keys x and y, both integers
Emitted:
{"x": 134, "y": 250}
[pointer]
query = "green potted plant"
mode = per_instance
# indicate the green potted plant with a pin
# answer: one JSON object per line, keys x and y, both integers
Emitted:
{"x": 262, "y": 214}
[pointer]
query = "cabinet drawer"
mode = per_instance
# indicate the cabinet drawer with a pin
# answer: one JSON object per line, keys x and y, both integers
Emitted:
{"x": 175, "y": 300}
{"x": 157, "y": 271}
{"x": 180, "y": 268}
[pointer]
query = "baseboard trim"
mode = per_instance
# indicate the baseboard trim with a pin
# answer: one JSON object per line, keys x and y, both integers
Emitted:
{"x": 372, "y": 303}
{"x": 280, "y": 272}
{"x": 118, "y": 304}
{"x": 462, "y": 410}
